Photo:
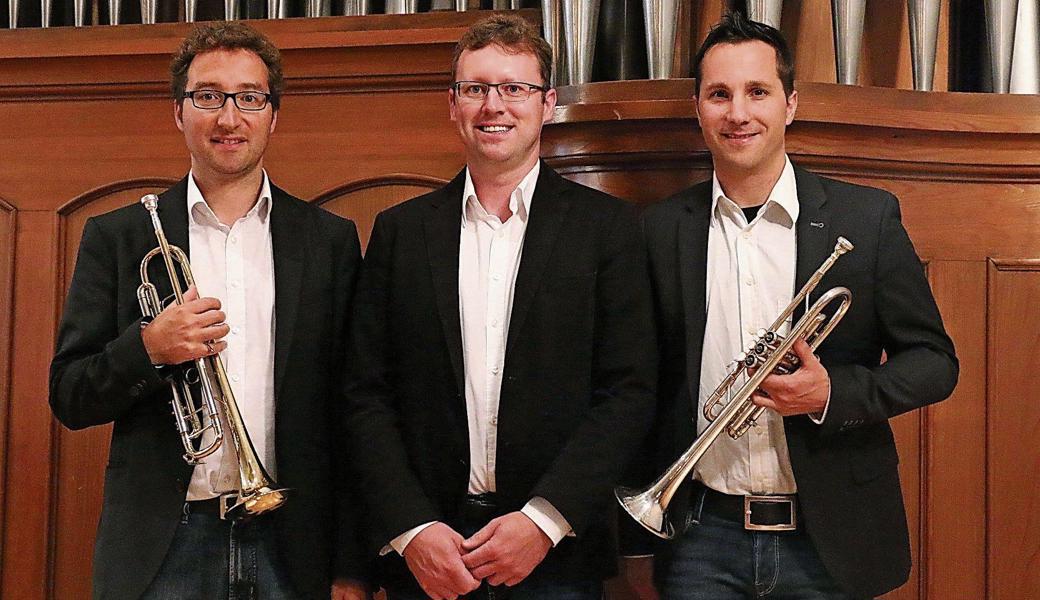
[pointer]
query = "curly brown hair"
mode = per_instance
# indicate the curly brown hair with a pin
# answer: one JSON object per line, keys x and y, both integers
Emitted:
{"x": 230, "y": 35}
{"x": 512, "y": 33}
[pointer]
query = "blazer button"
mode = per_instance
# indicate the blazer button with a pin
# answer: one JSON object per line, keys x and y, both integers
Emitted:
{"x": 135, "y": 390}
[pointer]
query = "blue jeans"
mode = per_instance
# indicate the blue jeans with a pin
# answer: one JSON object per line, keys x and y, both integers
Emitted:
{"x": 211, "y": 559}
{"x": 719, "y": 560}
{"x": 591, "y": 590}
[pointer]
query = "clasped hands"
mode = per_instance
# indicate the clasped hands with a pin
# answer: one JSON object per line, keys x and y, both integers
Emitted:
{"x": 503, "y": 552}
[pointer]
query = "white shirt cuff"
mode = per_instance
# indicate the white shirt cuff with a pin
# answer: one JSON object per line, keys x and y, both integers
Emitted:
{"x": 401, "y": 542}
{"x": 818, "y": 417}
{"x": 548, "y": 519}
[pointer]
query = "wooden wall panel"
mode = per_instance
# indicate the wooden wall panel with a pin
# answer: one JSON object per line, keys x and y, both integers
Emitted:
{"x": 361, "y": 201}
{"x": 1013, "y": 424}
{"x": 78, "y": 483}
{"x": 28, "y": 493}
{"x": 954, "y": 529}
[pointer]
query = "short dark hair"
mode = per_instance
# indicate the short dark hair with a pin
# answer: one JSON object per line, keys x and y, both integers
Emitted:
{"x": 735, "y": 28}
{"x": 512, "y": 33}
{"x": 230, "y": 35}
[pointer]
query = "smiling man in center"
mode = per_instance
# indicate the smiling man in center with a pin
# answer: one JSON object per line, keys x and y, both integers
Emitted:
{"x": 502, "y": 353}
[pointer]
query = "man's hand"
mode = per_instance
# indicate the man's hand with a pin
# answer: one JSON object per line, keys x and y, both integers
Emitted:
{"x": 506, "y": 550}
{"x": 435, "y": 559}
{"x": 802, "y": 392}
{"x": 638, "y": 575}
{"x": 349, "y": 589}
{"x": 183, "y": 332}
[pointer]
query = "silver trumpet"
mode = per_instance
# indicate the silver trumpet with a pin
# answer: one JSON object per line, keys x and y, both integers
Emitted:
{"x": 771, "y": 353}
{"x": 199, "y": 414}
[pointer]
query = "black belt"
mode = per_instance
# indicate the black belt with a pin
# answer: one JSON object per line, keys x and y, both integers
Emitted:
{"x": 774, "y": 512}
{"x": 217, "y": 507}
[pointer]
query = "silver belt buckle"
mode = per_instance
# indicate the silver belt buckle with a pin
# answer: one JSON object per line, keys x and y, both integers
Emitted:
{"x": 788, "y": 500}
{"x": 226, "y": 503}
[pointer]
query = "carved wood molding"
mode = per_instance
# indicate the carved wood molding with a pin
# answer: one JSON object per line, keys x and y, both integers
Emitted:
{"x": 112, "y": 188}
{"x": 75, "y": 204}
{"x": 8, "y": 216}
{"x": 1015, "y": 264}
{"x": 838, "y": 130}
{"x": 392, "y": 179}
{"x": 375, "y": 53}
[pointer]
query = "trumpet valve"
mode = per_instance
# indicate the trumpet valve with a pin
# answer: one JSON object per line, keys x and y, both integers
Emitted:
{"x": 788, "y": 364}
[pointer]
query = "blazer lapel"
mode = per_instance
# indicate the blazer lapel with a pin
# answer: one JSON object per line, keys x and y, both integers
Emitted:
{"x": 288, "y": 247}
{"x": 173, "y": 214}
{"x": 692, "y": 239}
{"x": 442, "y": 227}
{"x": 814, "y": 241}
{"x": 548, "y": 209}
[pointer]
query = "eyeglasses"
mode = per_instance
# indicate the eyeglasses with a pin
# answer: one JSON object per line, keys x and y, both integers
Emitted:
{"x": 510, "y": 91}
{"x": 214, "y": 99}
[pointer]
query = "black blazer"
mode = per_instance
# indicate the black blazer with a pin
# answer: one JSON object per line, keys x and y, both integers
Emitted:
{"x": 101, "y": 374}
{"x": 577, "y": 391}
{"x": 845, "y": 469}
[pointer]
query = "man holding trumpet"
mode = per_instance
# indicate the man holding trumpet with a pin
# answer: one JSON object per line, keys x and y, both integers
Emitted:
{"x": 273, "y": 309}
{"x": 807, "y": 503}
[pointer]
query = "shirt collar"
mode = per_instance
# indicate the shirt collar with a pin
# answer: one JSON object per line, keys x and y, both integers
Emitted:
{"x": 519, "y": 200}
{"x": 784, "y": 193}
{"x": 198, "y": 208}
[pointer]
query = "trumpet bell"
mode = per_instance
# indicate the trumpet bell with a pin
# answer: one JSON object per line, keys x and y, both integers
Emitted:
{"x": 646, "y": 508}
{"x": 257, "y": 502}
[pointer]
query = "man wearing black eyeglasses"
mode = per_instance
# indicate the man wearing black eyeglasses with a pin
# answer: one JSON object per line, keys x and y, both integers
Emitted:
{"x": 272, "y": 303}
{"x": 503, "y": 354}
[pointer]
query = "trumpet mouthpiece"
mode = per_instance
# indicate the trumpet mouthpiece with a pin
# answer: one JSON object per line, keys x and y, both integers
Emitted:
{"x": 150, "y": 201}
{"x": 843, "y": 245}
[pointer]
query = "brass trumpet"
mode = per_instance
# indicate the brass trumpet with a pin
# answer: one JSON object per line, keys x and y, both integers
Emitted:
{"x": 771, "y": 353}
{"x": 197, "y": 414}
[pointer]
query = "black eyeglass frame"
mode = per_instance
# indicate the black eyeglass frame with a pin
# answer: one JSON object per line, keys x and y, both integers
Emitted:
{"x": 234, "y": 99}
{"x": 531, "y": 89}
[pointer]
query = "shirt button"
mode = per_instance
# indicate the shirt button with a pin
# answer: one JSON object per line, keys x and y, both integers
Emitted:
{"x": 234, "y": 284}
{"x": 496, "y": 277}
{"x": 746, "y": 235}
{"x": 494, "y": 322}
{"x": 494, "y": 370}
{"x": 751, "y": 330}
{"x": 236, "y": 329}
{"x": 234, "y": 239}
{"x": 750, "y": 281}
{"x": 234, "y": 378}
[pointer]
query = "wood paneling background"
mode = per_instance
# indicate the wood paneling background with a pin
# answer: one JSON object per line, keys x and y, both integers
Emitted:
{"x": 87, "y": 126}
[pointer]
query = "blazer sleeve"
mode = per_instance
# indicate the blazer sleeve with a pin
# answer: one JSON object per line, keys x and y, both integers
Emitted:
{"x": 99, "y": 370}
{"x": 350, "y": 560}
{"x": 921, "y": 366}
{"x": 392, "y": 490}
{"x": 579, "y": 483}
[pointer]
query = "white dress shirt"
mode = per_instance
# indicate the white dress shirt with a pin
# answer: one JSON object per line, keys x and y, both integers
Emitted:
{"x": 489, "y": 259}
{"x": 750, "y": 280}
{"x": 235, "y": 264}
